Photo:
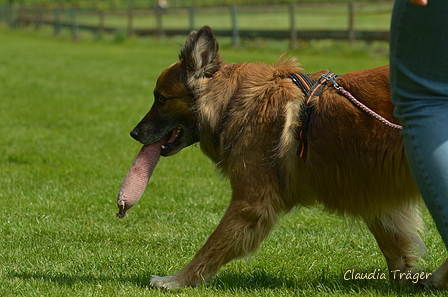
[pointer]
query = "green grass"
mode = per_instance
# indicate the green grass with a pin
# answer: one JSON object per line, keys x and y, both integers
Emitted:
{"x": 65, "y": 113}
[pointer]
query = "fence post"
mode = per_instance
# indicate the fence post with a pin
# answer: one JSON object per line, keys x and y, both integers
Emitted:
{"x": 100, "y": 31}
{"x": 39, "y": 16}
{"x": 10, "y": 8}
{"x": 192, "y": 16}
{"x": 159, "y": 24}
{"x": 75, "y": 36}
{"x": 235, "y": 32}
{"x": 130, "y": 18}
{"x": 292, "y": 15}
{"x": 351, "y": 22}
{"x": 57, "y": 22}
{"x": 21, "y": 15}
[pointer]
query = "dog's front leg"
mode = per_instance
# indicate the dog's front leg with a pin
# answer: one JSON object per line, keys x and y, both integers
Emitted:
{"x": 246, "y": 222}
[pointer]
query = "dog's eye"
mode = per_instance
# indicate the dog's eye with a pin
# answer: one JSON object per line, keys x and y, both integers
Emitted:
{"x": 161, "y": 99}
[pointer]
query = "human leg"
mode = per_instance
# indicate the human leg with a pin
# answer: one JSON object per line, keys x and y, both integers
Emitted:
{"x": 419, "y": 80}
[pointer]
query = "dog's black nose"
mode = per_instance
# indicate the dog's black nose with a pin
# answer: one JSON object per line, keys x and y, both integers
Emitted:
{"x": 134, "y": 133}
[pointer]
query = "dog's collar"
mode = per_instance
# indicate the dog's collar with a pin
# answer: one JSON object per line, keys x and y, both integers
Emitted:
{"x": 311, "y": 89}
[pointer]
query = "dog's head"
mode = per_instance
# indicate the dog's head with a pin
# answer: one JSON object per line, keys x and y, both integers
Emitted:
{"x": 172, "y": 117}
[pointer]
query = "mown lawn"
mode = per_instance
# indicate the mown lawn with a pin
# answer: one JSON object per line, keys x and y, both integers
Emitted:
{"x": 65, "y": 113}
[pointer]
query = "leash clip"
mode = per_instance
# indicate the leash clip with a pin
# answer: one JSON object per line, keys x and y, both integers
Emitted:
{"x": 331, "y": 77}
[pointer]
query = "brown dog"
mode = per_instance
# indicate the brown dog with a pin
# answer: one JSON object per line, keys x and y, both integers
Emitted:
{"x": 246, "y": 118}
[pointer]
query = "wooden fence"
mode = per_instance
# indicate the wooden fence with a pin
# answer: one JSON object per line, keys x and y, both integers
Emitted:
{"x": 160, "y": 21}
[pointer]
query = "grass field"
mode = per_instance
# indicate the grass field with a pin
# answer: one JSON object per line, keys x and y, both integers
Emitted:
{"x": 65, "y": 113}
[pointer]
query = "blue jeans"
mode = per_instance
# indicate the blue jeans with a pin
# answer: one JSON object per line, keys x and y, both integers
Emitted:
{"x": 419, "y": 81}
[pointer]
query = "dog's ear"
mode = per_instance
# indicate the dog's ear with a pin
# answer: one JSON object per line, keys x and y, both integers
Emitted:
{"x": 200, "y": 55}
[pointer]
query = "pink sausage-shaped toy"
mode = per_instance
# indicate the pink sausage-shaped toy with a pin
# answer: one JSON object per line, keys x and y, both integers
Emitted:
{"x": 137, "y": 178}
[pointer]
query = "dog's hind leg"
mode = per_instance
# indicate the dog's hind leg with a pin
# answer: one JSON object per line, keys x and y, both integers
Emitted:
{"x": 246, "y": 222}
{"x": 397, "y": 236}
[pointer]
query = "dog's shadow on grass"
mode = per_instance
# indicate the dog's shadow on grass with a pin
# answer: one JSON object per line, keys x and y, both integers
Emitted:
{"x": 326, "y": 282}
{"x": 230, "y": 281}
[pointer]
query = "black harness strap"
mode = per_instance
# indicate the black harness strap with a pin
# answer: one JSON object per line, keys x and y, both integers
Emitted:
{"x": 311, "y": 89}
{"x": 303, "y": 81}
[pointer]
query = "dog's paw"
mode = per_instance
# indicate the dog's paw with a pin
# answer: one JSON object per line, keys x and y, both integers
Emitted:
{"x": 165, "y": 282}
{"x": 438, "y": 279}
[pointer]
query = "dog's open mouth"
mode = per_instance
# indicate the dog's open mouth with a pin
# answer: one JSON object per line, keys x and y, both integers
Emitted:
{"x": 174, "y": 139}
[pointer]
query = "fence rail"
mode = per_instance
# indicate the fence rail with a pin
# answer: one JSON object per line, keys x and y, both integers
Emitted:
{"x": 291, "y": 21}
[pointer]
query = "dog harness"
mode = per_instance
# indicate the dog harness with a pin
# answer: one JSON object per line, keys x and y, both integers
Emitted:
{"x": 313, "y": 89}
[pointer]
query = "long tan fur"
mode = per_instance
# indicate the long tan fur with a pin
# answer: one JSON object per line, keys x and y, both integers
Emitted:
{"x": 246, "y": 118}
